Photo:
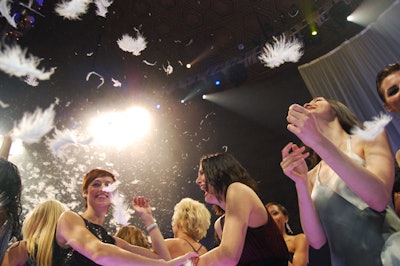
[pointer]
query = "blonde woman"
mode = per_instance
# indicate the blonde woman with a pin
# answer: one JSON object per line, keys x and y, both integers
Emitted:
{"x": 190, "y": 222}
{"x": 38, "y": 230}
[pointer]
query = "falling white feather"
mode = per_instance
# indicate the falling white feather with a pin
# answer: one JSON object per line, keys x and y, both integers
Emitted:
{"x": 33, "y": 127}
{"x": 149, "y": 63}
{"x": 120, "y": 208}
{"x": 372, "y": 128}
{"x": 169, "y": 69}
{"x": 73, "y": 9}
{"x": 281, "y": 51}
{"x": 131, "y": 44}
{"x": 102, "y": 7}
{"x": 31, "y": 81}
{"x": 14, "y": 62}
{"x": 3, "y": 104}
{"x": 5, "y": 11}
{"x": 61, "y": 139}
{"x": 116, "y": 83}
{"x": 97, "y": 74}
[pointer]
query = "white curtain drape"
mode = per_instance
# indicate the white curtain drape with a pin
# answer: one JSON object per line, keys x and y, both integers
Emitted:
{"x": 348, "y": 72}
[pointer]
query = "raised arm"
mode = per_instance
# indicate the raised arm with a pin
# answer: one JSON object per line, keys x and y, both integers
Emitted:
{"x": 239, "y": 203}
{"x": 372, "y": 182}
{"x": 294, "y": 166}
{"x": 5, "y": 146}
{"x": 143, "y": 209}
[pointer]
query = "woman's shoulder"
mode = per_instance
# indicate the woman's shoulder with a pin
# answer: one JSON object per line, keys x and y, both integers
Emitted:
{"x": 238, "y": 187}
{"x": 16, "y": 254}
{"x": 70, "y": 217}
{"x": 300, "y": 239}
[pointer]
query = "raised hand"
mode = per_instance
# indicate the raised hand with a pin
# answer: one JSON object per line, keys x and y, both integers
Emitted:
{"x": 302, "y": 123}
{"x": 293, "y": 162}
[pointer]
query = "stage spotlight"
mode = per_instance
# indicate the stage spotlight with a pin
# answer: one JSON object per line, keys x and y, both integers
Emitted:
{"x": 119, "y": 129}
{"x": 188, "y": 65}
{"x": 217, "y": 83}
{"x": 182, "y": 101}
{"x": 204, "y": 97}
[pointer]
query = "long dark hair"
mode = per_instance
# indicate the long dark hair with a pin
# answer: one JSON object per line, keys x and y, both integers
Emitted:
{"x": 10, "y": 195}
{"x": 221, "y": 170}
{"x": 347, "y": 120}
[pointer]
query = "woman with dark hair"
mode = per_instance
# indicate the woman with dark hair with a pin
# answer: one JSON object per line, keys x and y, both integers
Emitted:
{"x": 249, "y": 235}
{"x": 10, "y": 198}
{"x": 388, "y": 87}
{"x": 296, "y": 244}
{"x": 82, "y": 240}
{"x": 344, "y": 198}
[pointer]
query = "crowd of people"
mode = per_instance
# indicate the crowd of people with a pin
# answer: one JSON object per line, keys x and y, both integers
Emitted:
{"x": 347, "y": 190}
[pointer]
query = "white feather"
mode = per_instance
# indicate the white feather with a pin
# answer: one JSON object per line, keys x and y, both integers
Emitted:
{"x": 372, "y": 128}
{"x": 149, "y": 63}
{"x": 5, "y": 11}
{"x": 102, "y": 6}
{"x": 97, "y": 74}
{"x": 31, "y": 81}
{"x": 113, "y": 187}
{"x": 120, "y": 208}
{"x": 14, "y": 63}
{"x": 3, "y": 104}
{"x": 72, "y": 10}
{"x": 33, "y": 127}
{"x": 169, "y": 69}
{"x": 281, "y": 51}
{"x": 131, "y": 44}
{"x": 116, "y": 83}
{"x": 61, "y": 139}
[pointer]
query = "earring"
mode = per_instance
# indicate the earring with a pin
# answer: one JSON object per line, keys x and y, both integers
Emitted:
{"x": 288, "y": 229}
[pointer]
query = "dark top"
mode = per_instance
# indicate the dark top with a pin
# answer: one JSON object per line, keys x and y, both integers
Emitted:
{"x": 291, "y": 255}
{"x": 5, "y": 234}
{"x": 69, "y": 257}
{"x": 263, "y": 245}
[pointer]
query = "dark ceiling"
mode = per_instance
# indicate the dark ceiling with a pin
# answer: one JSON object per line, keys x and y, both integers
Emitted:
{"x": 215, "y": 36}
{"x": 220, "y": 38}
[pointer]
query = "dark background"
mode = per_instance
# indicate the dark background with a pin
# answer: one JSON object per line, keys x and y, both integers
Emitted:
{"x": 222, "y": 38}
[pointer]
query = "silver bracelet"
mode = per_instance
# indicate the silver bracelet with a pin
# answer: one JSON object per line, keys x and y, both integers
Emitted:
{"x": 151, "y": 227}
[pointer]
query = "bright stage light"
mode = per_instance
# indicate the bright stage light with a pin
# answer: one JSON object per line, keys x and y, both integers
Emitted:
{"x": 119, "y": 129}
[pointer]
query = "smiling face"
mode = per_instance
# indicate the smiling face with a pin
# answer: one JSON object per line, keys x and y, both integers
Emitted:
{"x": 390, "y": 90}
{"x": 321, "y": 107}
{"x": 95, "y": 195}
{"x": 208, "y": 189}
{"x": 279, "y": 217}
{"x": 89, "y": 179}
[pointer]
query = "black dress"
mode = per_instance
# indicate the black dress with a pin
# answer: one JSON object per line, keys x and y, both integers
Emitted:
{"x": 70, "y": 257}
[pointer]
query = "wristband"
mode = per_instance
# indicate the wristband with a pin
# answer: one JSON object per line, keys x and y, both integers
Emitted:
{"x": 151, "y": 227}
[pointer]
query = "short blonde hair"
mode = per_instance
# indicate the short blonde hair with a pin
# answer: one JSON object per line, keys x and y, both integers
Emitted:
{"x": 133, "y": 235}
{"x": 192, "y": 217}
